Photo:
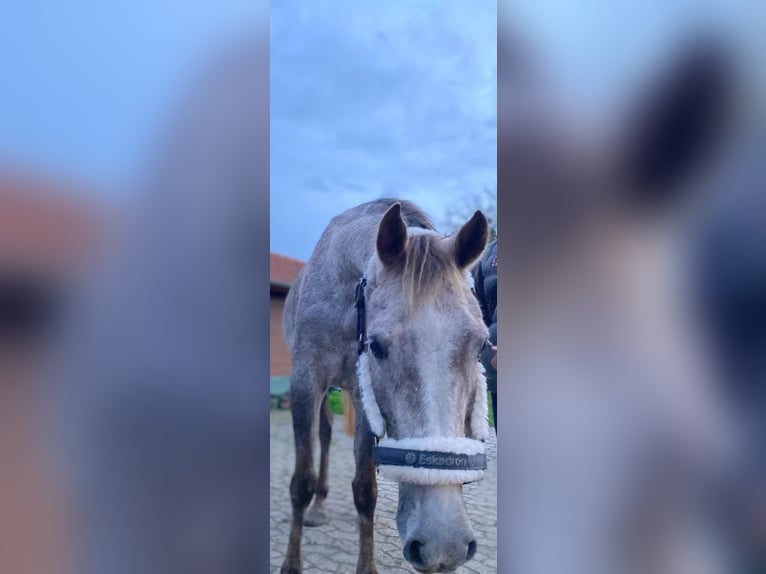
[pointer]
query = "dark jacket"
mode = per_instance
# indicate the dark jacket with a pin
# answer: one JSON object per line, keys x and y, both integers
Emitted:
{"x": 485, "y": 284}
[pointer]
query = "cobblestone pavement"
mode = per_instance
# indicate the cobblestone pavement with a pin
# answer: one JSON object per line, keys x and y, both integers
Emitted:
{"x": 333, "y": 547}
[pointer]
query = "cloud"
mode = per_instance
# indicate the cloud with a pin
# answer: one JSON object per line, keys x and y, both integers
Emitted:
{"x": 376, "y": 99}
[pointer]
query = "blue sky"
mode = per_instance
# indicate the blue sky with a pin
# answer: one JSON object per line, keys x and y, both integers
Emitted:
{"x": 368, "y": 98}
{"x": 373, "y": 99}
{"x": 86, "y": 86}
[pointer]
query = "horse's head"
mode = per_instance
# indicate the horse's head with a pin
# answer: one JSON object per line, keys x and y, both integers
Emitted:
{"x": 425, "y": 332}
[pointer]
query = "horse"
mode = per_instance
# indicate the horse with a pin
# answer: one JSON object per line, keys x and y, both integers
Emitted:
{"x": 384, "y": 309}
{"x": 615, "y": 436}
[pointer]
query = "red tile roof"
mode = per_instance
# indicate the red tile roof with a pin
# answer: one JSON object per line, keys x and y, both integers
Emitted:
{"x": 283, "y": 270}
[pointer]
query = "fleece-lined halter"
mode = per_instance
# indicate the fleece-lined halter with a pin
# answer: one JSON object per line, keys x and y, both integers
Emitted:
{"x": 420, "y": 460}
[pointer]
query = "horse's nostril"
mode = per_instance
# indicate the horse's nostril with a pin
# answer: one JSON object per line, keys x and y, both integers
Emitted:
{"x": 412, "y": 553}
{"x": 471, "y": 550}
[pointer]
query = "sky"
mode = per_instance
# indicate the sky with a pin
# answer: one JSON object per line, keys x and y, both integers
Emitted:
{"x": 368, "y": 98}
{"x": 86, "y": 86}
{"x": 377, "y": 99}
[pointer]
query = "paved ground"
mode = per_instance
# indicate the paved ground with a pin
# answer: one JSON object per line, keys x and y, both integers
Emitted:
{"x": 333, "y": 547}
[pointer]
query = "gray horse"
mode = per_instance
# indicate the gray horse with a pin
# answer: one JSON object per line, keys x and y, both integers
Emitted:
{"x": 420, "y": 386}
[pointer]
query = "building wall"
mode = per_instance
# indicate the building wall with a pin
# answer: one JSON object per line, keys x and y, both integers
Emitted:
{"x": 279, "y": 354}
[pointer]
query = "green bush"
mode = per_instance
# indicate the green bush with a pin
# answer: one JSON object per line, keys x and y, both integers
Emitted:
{"x": 335, "y": 401}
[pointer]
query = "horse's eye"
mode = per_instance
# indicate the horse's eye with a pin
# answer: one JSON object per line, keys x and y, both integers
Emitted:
{"x": 378, "y": 350}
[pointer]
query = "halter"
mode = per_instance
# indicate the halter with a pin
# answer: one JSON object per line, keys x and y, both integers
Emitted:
{"x": 420, "y": 460}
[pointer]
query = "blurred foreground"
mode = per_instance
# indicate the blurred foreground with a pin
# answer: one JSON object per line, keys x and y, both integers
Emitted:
{"x": 134, "y": 418}
{"x": 632, "y": 221}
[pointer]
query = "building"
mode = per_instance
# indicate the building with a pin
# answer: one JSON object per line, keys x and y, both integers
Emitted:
{"x": 282, "y": 273}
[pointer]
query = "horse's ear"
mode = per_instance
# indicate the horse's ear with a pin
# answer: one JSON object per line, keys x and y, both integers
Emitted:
{"x": 392, "y": 236}
{"x": 469, "y": 243}
{"x": 676, "y": 127}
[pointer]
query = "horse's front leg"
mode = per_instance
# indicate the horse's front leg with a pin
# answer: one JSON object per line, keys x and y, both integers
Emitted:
{"x": 317, "y": 514}
{"x": 365, "y": 492}
{"x": 303, "y": 403}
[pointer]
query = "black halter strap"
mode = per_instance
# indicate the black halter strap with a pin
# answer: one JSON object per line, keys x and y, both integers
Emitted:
{"x": 361, "y": 317}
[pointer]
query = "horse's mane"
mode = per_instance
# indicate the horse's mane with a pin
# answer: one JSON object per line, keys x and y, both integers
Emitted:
{"x": 413, "y": 216}
{"x": 428, "y": 261}
{"x": 428, "y": 265}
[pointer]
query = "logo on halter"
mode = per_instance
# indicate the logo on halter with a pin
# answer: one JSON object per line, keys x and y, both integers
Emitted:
{"x": 410, "y": 458}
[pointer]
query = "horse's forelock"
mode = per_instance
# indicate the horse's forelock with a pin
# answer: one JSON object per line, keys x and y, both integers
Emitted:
{"x": 428, "y": 264}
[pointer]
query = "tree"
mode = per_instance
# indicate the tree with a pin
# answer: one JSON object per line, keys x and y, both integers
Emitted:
{"x": 459, "y": 212}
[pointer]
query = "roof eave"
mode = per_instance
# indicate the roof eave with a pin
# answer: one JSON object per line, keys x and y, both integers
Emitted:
{"x": 278, "y": 286}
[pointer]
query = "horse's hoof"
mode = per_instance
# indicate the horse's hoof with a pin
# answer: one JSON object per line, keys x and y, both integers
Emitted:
{"x": 290, "y": 569}
{"x": 315, "y": 517}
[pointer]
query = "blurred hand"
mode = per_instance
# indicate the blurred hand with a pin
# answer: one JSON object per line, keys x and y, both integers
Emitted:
{"x": 493, "y": 361}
